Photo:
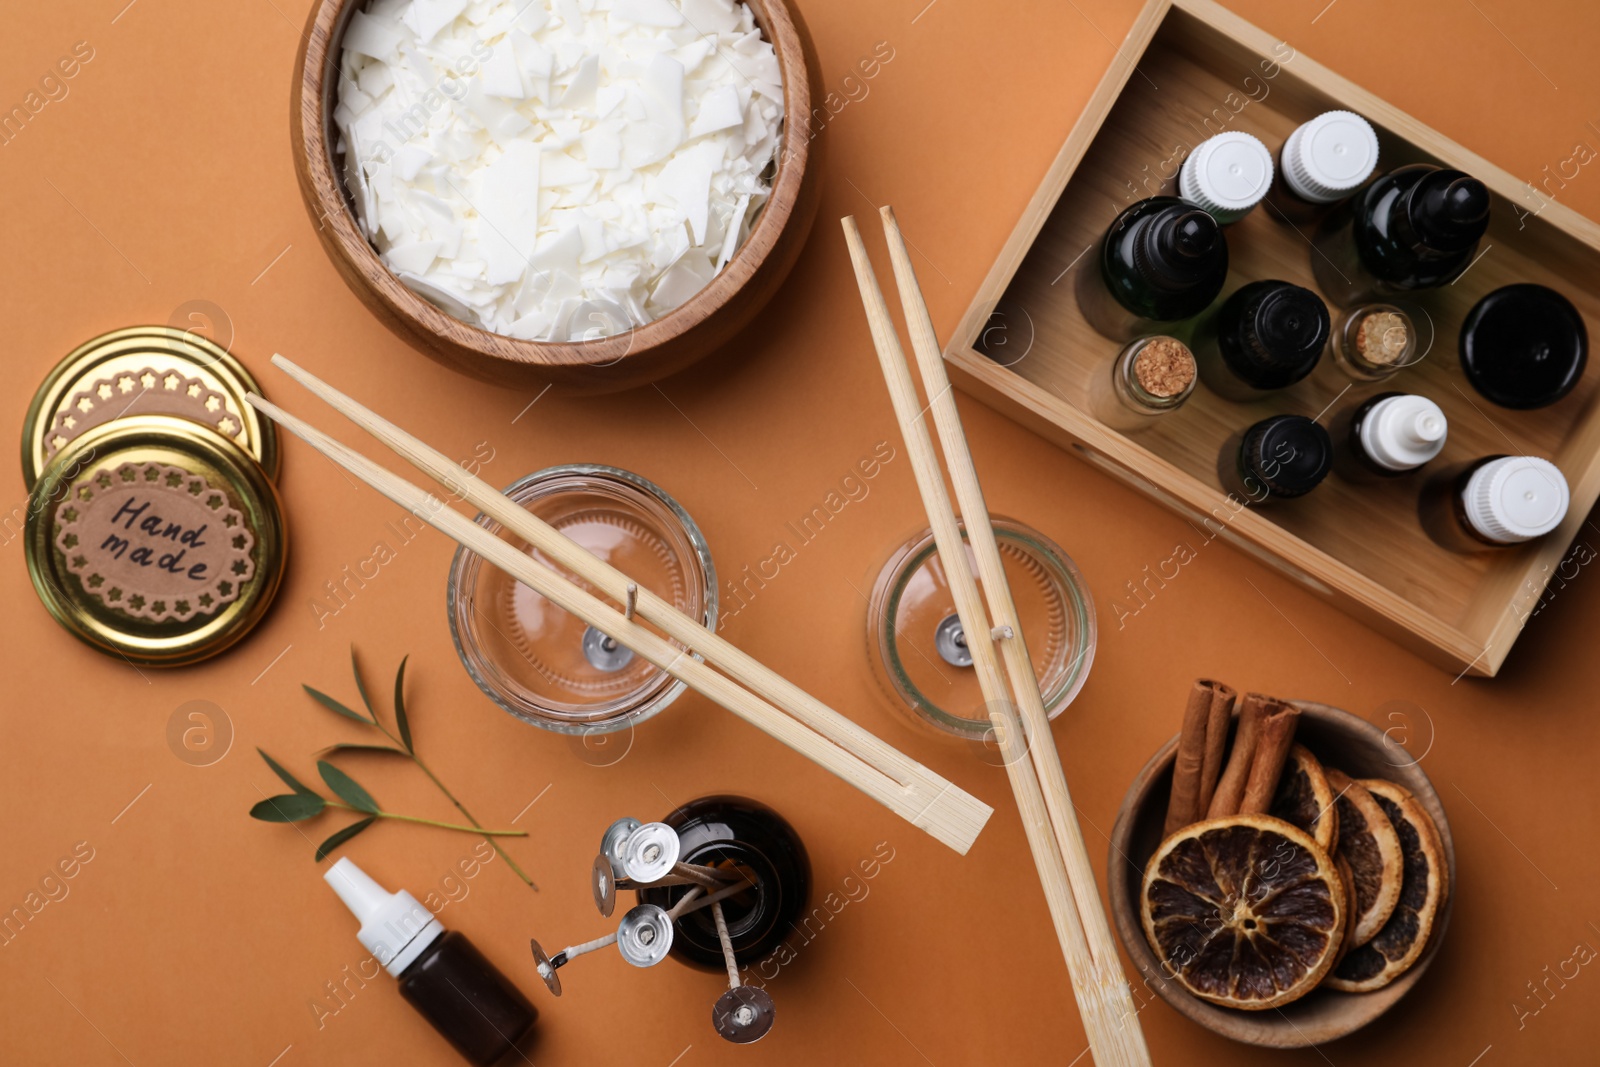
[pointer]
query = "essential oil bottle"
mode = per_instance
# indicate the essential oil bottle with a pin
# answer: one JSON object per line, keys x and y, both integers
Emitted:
{"x": 1323, "y": 162}
{"x": 1279, "y": 458}
{"x": 1388, "y": 435}
{"x": 1150, "y": 377}
{"x": 1371, "y": 342}
{"x": 473, "y": 1005}
{"x": 1266, "y": 336}
{"x": 1161, "y": 262}
{"x": 1494, "y": 502}
{"x": 1416, "y": 227}
{"x": 1524, "y": 346}
{"x": 1227, "y": 175}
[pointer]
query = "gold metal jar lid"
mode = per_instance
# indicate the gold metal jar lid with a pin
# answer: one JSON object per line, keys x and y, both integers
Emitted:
{"x": 144, "y": 370}
{"x": 153, "y": 538}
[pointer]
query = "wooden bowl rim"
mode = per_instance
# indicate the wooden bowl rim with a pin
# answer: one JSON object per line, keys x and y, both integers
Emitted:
{"x": 1272, "y": 1029}
{"x": 318, "y": 49}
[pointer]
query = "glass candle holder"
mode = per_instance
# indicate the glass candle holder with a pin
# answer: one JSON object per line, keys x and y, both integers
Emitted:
{"x": 918, "y": 648}
{"x": 550, "y": 668}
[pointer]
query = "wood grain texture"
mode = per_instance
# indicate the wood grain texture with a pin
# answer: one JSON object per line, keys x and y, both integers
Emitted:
{"x": 698, "y": 327}
{"x": 1201, "y": 70}
{"x": 1339, "y": 739}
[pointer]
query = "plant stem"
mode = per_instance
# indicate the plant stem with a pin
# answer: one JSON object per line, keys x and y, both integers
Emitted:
{"x": 429, "y": 822}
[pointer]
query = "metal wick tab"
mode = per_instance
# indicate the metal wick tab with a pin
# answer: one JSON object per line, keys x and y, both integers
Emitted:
{"x": 950, "y": 641}
{"x": 744, "y": 1013}
{"x": 604, "y": 652}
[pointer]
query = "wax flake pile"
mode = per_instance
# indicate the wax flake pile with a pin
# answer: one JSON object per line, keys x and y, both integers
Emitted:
{"x": 557, "y": 170}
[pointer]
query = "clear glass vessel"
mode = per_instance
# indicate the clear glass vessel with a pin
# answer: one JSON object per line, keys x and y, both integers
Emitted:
{"x": 547, "y": 667}
{"x": 1373, "y": 341}
{"x": 1150, "y": 377}
{"x": 918, "y": 648}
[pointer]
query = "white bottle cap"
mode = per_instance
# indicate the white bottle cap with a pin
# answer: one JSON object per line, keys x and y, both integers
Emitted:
{"x": 1401, "y": 433}
{"x": 1329, "y": 157}
{"x": 1227, "y": 175}
{"x": 395, "y": 927}
{"x": 1515, "y": 498}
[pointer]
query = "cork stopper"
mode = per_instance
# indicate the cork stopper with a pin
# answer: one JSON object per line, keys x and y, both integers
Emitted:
{"x": 1164, "y": 367}
{"x": 1383, "y": 338}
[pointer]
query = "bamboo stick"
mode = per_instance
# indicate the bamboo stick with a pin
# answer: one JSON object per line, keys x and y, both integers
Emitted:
{"x": 1003, "y": 613}
{"x": 1099, "y": 987}
{"x": 943, "y": 799}
{"x": 644, "y": 642}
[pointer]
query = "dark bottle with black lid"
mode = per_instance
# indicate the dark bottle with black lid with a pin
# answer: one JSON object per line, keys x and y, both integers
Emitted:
{"x": 1416, "y": 227}
{"x": 1162, "y": 261}
{"x": 1266, "y": 336}
{"x": 1524, "y": 346}
{"x": 1278, "y": 458}
{"x": 441, "y": 973}
{"x": 750, "y": 838}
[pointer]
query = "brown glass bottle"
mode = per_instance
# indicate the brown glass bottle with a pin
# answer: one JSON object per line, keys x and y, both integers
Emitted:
{"x": 1279, "y": 458}
{"x": 467, "y": 999}
{"x": 1493, "y": 502}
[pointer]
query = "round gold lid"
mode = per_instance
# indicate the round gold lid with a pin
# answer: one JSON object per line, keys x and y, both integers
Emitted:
{"x": 153, "y": 538}
{"x": 144, "y": 370}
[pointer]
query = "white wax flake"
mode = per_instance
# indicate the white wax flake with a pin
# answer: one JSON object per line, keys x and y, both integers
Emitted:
{"x": 557, "y": 170}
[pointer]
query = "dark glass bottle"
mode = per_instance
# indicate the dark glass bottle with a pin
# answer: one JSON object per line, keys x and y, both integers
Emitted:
{"x": 1416, "y": 227}
{"x": 748, "y": 837}
{"x": 1279, "y": 458}
{"x": 1267, "y": 335}
{"x": 1386, "y": 436}
{"x": 467, "y": 999}
{"x": 1161, "y": 261}
{"x": 1493, "y": 502}
{"x": 1524, "y": 346}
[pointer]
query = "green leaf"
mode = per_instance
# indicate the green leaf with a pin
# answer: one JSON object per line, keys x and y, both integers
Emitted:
{"x": 288, "y": 807}
{"x": 400, "y": 706}
{"x": 333, "y": 705}
{"x": 351, "y": 746}
{"x": 346, "y": 788}
{"x": 342, "y": 836}
{"x": 288, "y": 779}
{"x": 361, "y": 687}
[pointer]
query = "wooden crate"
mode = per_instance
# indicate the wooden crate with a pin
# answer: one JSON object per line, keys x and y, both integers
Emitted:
{"x": 1187, "y": 70}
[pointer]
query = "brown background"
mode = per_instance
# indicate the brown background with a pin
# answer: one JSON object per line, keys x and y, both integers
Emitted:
{"x": 198, "y": 936}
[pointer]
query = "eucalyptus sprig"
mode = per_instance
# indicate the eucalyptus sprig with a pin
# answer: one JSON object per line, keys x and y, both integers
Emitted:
{"x": 305, "y": 803}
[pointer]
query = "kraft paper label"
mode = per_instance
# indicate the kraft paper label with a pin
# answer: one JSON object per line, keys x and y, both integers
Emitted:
{"x": 143, "y": 392}
{"x": 155, "y": 542}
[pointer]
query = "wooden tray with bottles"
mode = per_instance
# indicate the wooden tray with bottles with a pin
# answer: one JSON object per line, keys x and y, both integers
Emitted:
{"x": 1190, "y": 69}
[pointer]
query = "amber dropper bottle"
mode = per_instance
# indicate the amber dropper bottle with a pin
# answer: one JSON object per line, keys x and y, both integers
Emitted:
{"x": 441, "y": 973}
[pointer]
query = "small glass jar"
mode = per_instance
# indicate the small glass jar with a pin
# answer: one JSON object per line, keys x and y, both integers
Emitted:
{"x": 918, "y": 647}
{"x": 547, "y": 667}
{"x": 1373, "y": 341}
{"x": 738, "y": 834}
{"x": 1150, "y": 377}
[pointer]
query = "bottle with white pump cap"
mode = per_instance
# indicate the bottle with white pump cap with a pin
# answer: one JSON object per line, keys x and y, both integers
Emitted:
{"x": 473, "y": 1005}
{"x": 1323, "y": 162}
{"x": 1495, "y": 502}
{"x": 1389, "y": 435}
{"x": 1226, "y": 175}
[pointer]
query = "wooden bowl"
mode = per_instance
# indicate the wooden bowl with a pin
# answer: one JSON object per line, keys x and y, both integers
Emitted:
{"x": 706, "y": 321}
{"x": 1340, "y": 740}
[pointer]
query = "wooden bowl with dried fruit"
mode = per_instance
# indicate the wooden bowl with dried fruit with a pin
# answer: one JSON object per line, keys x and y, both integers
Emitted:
{"x": 1280, "y": 871}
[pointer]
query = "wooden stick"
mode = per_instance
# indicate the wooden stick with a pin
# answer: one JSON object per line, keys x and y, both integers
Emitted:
{"x": 1115, "y": 1043}
{"x": 945, "y": 802}
{"x": 655, "y": 649}
{"x": 1109, "y": 1026}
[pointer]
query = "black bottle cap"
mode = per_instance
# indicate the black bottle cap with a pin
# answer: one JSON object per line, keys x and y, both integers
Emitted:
{"x": 1524, "y": 346}
{"x": 1272, "y": 333}
{"x": 1289, "y": 454}
{"x": 1178, "y": 247}
{"x": 1449, "y": 210}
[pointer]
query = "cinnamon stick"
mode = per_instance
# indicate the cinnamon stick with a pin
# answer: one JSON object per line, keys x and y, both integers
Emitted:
{"x": 1272, "y": 750}
{"x": 1200, "y": 741}
{"x": 1229, "y": 793}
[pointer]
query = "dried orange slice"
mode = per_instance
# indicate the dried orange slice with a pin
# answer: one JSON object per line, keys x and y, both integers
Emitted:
{"x": 1349, "y": 881}
{"x": 1369, "y": 843}
{"x": 1305, "y": 799}
{"x": 1245, "y": 911}
{"x": 1423, "y": 889}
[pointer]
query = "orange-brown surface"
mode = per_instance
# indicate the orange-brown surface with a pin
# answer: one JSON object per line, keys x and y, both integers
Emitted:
{"x": 195, "y": 935}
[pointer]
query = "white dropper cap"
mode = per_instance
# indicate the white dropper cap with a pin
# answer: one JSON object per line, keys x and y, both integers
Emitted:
{"x": 1227, "y": 175}
{"x": 1329, "y": 157}
{"x": 1515, "y": 498}
{"x": 1401, "y": 433}
{"x": 395, "y": 927}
